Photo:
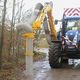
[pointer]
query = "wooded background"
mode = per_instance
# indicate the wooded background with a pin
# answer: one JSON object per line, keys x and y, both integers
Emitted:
{"x": 12, "y": 44}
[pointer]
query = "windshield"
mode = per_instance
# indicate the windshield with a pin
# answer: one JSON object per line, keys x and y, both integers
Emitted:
{"x": 73, "y": 25}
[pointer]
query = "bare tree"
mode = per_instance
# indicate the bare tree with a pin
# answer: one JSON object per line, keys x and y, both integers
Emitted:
{"x": 12, "y": 30}
{"x": 2, "y": 32}
{"x": 19, "y": 19}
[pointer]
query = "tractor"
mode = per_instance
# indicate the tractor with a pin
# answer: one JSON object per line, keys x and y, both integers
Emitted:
{"x": 68, "y": 44}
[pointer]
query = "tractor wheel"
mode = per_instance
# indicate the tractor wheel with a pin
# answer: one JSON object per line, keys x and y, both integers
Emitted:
{"x": 54, "y": 59}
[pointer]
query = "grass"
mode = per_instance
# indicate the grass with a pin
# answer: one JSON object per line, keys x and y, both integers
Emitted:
{"x": 10, "y": 70}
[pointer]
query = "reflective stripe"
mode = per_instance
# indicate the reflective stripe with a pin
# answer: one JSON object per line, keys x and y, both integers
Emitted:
{"x": 28, "y": 35}
{"x": 68, "y": 41}
{"x": 29, "y": 54}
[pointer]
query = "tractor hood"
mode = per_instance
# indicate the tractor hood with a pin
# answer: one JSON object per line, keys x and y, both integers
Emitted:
{"x": 72, "y": 36}
{"x": 72, "y": 32}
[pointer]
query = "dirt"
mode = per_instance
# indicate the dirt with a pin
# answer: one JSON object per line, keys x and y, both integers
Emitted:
{"x": 42, "y": 71}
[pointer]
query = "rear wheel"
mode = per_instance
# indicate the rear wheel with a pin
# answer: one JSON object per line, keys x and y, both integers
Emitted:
{"x": 54, "y": 59}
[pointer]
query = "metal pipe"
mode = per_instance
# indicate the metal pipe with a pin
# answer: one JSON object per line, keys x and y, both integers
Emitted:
{"x": 27, "y": 28}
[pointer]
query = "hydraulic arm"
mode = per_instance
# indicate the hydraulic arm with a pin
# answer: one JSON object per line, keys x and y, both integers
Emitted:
{"x": 46, "y": 11}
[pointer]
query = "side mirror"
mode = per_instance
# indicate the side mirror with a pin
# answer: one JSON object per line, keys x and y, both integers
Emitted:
{"x": 56, "y": 22}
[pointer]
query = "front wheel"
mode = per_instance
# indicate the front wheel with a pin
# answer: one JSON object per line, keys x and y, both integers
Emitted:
{"x": 54, "y": 59}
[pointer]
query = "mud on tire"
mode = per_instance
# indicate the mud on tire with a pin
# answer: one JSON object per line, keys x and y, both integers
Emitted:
{"x": 54, "y": 59}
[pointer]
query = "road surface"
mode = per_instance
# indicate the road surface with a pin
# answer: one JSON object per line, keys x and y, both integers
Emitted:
{"x": 42, "y": 71}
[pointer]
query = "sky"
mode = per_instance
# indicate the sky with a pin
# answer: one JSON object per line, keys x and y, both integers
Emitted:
{"x": 58, "y": 5}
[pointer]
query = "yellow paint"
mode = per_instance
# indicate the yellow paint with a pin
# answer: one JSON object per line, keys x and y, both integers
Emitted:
{"x": 37, "y": 24}
{"x": 39, "y": 21}
{"x": 28, "y": 35}
{"x": 29, "y": 54}
{"x": 51, "y": 23}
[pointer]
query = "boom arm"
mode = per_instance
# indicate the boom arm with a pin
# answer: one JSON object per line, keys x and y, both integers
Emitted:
{"x": 51, "y": 23}
{"x": 37, "y": 24}
{"x": 41, "y": 15}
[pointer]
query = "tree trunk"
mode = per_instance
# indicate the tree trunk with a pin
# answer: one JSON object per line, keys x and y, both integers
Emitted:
{"x": 19, "y": 19}
{"x": 12, "y": 30}
{"x": 2, "y": 32}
